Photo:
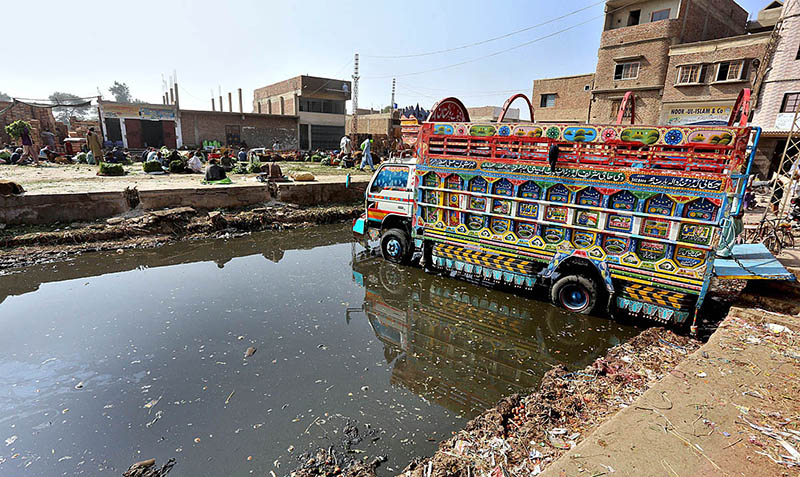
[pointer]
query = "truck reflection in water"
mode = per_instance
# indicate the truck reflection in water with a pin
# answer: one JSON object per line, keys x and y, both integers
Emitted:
{"x": 466, "y": 346}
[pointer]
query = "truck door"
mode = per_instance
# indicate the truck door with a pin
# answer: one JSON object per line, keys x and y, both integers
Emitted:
{"x": 389, "y": 193}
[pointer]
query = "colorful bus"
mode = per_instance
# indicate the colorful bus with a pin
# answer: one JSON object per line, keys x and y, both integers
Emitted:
{"x": 619, "y": 216}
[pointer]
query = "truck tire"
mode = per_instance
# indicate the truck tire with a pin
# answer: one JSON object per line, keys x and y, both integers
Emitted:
{"x": 576, "y": 293}
{"x": 396, "y": 246}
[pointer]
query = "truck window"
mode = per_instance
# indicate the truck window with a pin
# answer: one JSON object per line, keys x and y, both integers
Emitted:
{"x": 391, "y": 178}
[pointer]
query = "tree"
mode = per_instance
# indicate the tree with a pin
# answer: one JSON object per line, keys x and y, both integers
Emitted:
{"x": 121, "y": 92}
{"x": 4, "y": 97}
{"x": 386, "y": 109}
{"x": 63, "y": 113}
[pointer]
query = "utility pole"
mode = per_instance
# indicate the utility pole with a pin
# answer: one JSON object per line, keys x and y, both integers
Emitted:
{"x": 391, "y": 105}
{"x": 354, "y": 123}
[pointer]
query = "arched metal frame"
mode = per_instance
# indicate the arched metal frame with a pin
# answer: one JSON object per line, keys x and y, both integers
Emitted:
{"x": 511, "y": 100}
{"x": 741, "y": 109}
{"x": 623, "y": 106}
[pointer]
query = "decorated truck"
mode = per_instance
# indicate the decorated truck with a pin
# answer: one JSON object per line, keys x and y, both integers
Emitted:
{"x": 618, "y": 216}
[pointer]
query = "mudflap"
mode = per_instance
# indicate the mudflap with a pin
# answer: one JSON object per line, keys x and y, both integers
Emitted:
{"x": 360, "y": 225}
{"x": 600, "y": 265}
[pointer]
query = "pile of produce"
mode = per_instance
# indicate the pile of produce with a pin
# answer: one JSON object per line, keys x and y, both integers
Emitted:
{"x": 152, "y": 166}
{"x": 107, "y": 169}
{"x": 16, "y": 128}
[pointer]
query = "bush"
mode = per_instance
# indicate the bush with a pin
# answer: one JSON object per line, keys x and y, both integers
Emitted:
{"x": 107, "y": 169}
{"x": 254, "y": 167}
{"x": 176, "y": 166}
{"x": 16, "y": 128}
{"x": 152, "y": 166}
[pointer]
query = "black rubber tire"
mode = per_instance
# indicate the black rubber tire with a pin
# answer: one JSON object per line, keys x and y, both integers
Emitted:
{"x": 576, "y": 293}
{"x": 396, "y": 246}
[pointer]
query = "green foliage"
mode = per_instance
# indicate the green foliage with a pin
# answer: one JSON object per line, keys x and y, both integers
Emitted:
{"x": 63, "y": 113}
{"x": 107, "y": 169}
{"x": 176, "y": 166}
{"x": 121, "y": 92}
{"x": 325, "y": 162}
{"x": 254, "y": 167}
{"x": 81, "y": 157}
{"x": 152, "y": 166}
{"x": 317, "y": 157}
{"x": 16, "y": 128}
{"x": 5, "y": 155}
{"x": 240, "y": 168}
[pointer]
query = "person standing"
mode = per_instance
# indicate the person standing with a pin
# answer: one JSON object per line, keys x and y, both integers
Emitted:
{"x": 27, "y": 146}
{"x": 242, "y": 155}
{"x": 367, "y": 155}
{"x": 345, "y": 149}
{"x": 95, "y": 144}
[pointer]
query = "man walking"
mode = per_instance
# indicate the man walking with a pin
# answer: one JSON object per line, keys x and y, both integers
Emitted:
{"x": 27, "y": 146}
{"x": 367, "y": 155}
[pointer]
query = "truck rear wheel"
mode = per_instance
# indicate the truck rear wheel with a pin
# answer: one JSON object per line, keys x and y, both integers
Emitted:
{"x": 576, "y": 293}
{"x": 396, "y": 246}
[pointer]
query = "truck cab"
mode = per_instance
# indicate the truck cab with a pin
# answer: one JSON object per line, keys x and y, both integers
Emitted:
{"x": 389, "y": 210}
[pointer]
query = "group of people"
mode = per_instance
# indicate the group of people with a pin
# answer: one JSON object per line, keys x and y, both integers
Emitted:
{"x": 346, "y": 149}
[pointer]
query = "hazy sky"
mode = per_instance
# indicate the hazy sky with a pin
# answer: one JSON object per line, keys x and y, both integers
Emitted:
{"x": 80, "y": 46}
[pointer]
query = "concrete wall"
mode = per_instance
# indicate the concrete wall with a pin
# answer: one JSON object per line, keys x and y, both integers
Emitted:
{"x": 572, "y": 98}
{"x": 256, "y": 129}
{"x": 205, "y": 197}
{"x": 50, "y": 208}
{"x": 315, "y": 193}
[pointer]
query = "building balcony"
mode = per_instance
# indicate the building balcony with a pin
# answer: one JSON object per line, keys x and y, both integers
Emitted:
{"x": 664, "y": 29}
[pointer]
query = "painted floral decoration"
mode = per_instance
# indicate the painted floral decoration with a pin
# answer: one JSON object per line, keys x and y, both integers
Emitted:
{"x": 673, "y": 136}
{"x": 609, "y": 134}
{"x": 553, "y": 132}
{"x": 461, "y": 131}
{"x": 504, "y": 131}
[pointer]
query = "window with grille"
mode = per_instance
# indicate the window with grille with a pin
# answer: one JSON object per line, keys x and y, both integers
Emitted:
{"x": 790, "y": 102}
{"x": 547, "y": 101}
{"x": 625, "y": 71}
{"x": 688, "y": 74}
{"x": 730, "y": 70}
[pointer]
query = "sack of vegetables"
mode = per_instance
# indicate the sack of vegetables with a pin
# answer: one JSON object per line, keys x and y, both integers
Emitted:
{"x": 107, "y": 169}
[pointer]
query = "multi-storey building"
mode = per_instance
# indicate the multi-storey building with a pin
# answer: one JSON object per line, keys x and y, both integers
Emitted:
{"x": 634, "y": 52}
{"x": 319, "y": 103}
{"x": 779, "y": 93}
{"x": 562, "y": 100}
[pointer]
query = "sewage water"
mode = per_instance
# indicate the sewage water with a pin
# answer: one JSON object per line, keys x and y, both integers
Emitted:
{"x": 114, "y": 358}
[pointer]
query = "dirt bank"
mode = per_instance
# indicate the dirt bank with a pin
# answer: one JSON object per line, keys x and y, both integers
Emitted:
{"x": 23, "y": 246}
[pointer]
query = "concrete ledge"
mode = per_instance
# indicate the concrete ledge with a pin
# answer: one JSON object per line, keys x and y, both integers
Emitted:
{"x": 49, "y": 208}
{"x": 208, "y": 197}
{"x": 314, "y": 193}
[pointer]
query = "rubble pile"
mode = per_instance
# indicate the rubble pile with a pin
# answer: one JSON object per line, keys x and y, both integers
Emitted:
{"x": 522, "y": 435}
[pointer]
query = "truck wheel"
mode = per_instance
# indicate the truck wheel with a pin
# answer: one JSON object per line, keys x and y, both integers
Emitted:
{"x": 576, "y": 293}
{"x": 395, "y": 246}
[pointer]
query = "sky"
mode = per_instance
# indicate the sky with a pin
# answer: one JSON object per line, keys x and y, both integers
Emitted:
{"x": 249, "y": 44}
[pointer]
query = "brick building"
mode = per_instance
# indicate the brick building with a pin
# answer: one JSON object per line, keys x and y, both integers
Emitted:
{"x": 562, "y": 100}
{"x": 635, "y": 45}
{"x": 492, "y": 113}
{"x": 375, "y": 123}
{"x": 319, "y": 104}
{"x": 704, "y": 78}
{"x": 138, "y": 125}
{"x": 255, "y": 130}
{"x": 779, "y": 96}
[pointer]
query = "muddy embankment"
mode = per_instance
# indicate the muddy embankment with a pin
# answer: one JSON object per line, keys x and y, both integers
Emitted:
{"x": 20, "y": 246}
{"x": 521, "y": 435}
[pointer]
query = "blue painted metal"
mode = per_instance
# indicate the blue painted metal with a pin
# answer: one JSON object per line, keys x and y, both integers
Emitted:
{"x": 360, "y": 226}
{"x": 751, "y": 261}
{"x": 740, "y": 194}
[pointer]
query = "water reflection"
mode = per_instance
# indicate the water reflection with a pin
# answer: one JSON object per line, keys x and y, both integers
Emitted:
{"x": 338, "y": 331}
{"x": 465, "y": 346}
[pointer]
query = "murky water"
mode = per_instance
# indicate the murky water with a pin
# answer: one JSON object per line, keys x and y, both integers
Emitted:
{"x": 114, "y": 358}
